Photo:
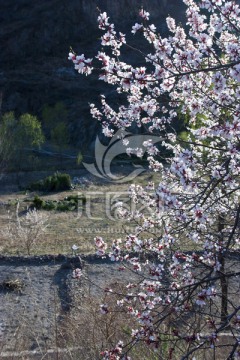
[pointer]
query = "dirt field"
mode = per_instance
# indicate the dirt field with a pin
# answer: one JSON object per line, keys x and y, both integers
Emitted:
{"x": 34, "y": 316}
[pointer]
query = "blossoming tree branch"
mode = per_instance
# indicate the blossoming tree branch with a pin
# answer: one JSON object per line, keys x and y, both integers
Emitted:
{"x": 188, "y": 293}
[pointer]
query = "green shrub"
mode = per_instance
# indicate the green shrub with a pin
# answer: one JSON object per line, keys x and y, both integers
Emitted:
{"x": 38, "y": 203}
{"x": 49, "y": 205}
{"x": 63, "y": 181}
{"x": 75, "y": 199}
{"x": 49, "y": 184}
{"x": 69, "y": 203}
{"x": 56, "y": 182}
{"x": 64, "y": 206}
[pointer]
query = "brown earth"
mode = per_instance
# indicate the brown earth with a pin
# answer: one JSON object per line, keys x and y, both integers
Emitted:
{"x": 34, "y": 316}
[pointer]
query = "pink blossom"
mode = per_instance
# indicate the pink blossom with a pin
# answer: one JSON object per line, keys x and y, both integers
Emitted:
{"x": 185, "y": 224}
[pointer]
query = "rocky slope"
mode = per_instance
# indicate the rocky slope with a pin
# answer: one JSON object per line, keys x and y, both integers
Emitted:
{"x": 36, "y": 37}
{"x": 36, "y": 316}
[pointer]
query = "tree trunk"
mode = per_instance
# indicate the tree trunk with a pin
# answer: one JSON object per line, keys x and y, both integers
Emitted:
{"x": 223, "y": 279}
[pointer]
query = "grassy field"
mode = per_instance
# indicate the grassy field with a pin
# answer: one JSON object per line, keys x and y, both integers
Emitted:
{"x": 97, "y": 217}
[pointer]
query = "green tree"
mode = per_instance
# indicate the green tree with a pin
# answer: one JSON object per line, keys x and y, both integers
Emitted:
{"x": 29, "y": 131}
{"x": 18, "y": 135}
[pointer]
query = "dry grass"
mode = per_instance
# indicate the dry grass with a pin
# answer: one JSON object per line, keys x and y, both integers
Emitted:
{"x": 75, "y": 227}
{"x": 94, "y": 332}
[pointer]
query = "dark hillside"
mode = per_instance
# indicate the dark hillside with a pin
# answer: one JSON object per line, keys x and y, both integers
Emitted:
{"x": 36, "y": 36}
